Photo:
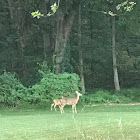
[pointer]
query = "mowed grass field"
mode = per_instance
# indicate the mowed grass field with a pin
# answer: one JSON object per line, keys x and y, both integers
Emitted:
{"x": 101, "y": 122}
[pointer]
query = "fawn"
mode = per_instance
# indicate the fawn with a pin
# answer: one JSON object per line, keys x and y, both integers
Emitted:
{"x": 55, "y": 103}
{"x": 69, "y": 101}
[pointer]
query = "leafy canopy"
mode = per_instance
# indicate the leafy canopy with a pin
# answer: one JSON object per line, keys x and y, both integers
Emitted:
{"x": 38, "y": 14}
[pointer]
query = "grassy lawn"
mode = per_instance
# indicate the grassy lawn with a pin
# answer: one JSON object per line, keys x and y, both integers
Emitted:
{"x": 102, "y": 122}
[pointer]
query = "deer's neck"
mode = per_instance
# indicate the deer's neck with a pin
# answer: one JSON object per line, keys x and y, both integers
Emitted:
{"x": 77, "y": 98}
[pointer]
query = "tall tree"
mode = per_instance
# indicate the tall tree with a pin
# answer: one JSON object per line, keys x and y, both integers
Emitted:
{"x": 81, "y": 64}
{"x": 46, "y": 28}
{"x": 64, "y": 23}
{"x": 113, "y": 22}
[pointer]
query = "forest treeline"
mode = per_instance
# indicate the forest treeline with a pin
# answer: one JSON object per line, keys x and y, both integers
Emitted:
{"x": 78, "y": 38}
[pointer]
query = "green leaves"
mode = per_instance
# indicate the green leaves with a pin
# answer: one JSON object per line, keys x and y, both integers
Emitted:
{"x": 54, "y": 7}
{"x": 54, "y": 86}
{"x": 11, "y": 90}
{"x": 126, "y": 6}
{"x": 38, "y": 14}
{"x": 51, "y": 86}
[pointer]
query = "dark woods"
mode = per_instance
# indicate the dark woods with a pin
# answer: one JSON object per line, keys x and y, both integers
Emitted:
{"x": 78, "y": 38}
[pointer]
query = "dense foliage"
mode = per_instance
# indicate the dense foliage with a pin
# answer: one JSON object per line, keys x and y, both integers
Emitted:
{"x": 53, "y": 86}
{"x": 64, "y": 42}
{"x": 11, "y": 90}
{"x": 13, "y": 93}
{"x": 108, "y": 97}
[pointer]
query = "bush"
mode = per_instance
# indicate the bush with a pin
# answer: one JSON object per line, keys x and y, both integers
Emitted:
{"x": 133, "y": 94}
{"x": 103, "y": 96}
{"x": 11, "y": 90}
{"x": 13, "y": 93}
{"x": 53, "y": 86}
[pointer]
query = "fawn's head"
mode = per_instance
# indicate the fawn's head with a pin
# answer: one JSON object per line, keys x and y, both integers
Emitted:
{"x": 79, "y": 94}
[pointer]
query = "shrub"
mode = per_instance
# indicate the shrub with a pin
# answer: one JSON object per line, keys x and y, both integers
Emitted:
{"x": 103, "y": 96}
{"x": 133, "y": 94}
{"x": 11, "y": 90}
{"x": 13, "y": 93}
{"x": 53, "y": 86}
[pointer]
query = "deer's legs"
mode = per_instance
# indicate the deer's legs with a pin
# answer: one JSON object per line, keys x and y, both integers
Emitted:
{"x": 52, "y": 106}
{"x": 75, "y": 109}
{"x": 55, "y": 107}
{"x": 61, "y": 108}
{"x": 73, "y": 106}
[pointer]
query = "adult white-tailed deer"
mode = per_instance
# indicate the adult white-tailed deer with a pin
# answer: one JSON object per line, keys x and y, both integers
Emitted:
{"x": 55, "y": 103}
{"x": 70, "y": 101}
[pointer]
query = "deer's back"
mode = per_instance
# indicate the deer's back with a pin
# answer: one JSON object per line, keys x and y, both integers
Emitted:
{"x": 56, "y": 101}
{"x": 68, "y": 100}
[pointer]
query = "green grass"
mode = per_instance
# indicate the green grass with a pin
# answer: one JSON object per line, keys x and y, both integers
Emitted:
{"x": 102, "y": 122}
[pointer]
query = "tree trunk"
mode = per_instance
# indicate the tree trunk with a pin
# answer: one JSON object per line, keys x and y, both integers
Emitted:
{"x": 46, "y": 41}
{"x": 58, "y": 43}
{"x": 17, "y": 14}
{"x": 116, "y": 79}
{"x": 45, "y": 31}
{"x": 64, "y": 24}
{"x": 82, "y": 81}
{"x": 11, "y": 9}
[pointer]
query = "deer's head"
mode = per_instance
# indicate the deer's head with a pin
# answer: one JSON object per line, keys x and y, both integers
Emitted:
{"x": 79, "y": 94}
